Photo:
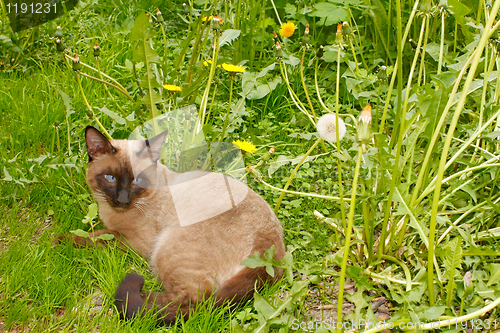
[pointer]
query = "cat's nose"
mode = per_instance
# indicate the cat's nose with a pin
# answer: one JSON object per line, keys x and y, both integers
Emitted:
{"x": 123, "y": 197}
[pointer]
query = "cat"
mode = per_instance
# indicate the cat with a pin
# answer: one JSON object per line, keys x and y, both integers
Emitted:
{"x": 196, "y": 228}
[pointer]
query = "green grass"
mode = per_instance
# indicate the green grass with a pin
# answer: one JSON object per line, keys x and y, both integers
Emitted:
{"x": 43, "y": 192}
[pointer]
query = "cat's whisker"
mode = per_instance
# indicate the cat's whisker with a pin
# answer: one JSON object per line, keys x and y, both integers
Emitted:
{"x": 100, "y": 197}
{"x": 140, "y": 207}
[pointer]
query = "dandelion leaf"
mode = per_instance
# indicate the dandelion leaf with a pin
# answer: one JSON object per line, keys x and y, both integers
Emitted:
{"x": 106, "y": 237}
{"x": 494, "y": 270}
{"x": 329, "y": 13}
{"x": 404, "y": 209}
{"x": 113, "y": 115}
{"x": 8, "y": 177}
{"x": 143, "y": 29}
{"x": 67, "y": 103}
{"x": 144, "y": 53}
{"x": 91, "y": 214}
{"x": 228, "y": 36}
{"x": 452, "y": 262}
{"x": 80, "y": 232}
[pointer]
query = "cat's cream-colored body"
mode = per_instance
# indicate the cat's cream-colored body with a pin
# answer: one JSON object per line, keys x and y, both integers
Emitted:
{"x": 196, "y": 228}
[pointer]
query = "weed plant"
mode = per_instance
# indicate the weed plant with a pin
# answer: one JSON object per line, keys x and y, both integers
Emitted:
{"x": 389, "y": 218}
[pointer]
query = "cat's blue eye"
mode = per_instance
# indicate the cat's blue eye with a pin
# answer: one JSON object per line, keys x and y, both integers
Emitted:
{"x": 137, "y": 181}
{"x": 110, "y": 178}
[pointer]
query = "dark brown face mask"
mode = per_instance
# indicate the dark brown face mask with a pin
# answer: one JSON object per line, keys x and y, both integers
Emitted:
{"x": 25, "y": 14}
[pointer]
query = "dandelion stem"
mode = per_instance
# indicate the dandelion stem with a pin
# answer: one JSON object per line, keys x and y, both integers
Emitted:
{"x": 497, "y": 87}
{"x": 212, "y": 102}
{"x": 403, "y": 266}
{"x": 295, "y": 99}
{"x": 102, "y": 81}
{"x": 150, "y": 88}
{"x": 355, "y": 58}
{"x": 276, "y": 11}
{"x": 396, "y": 69}
{"x": 302, "y": 193}
{"x": 488, "y": 68}
{"x": 194, "y": 54}
{"x": 90, "y": 108}
{"x": 307, "y": 93}
{"x": 164, "y": 39}
{"x": 356, "y": 41}
{"x": 355, "y": 122}
{"x": 226, "y": 119}
{"x": 422, "y": 60}
{"x": 304, "y": 84}
{"x": 441, "y": 46}
{"x": 455, "y": 37}
{"x": 204, "y": 99}
{"x": 180, "y": 59}
{"x": 339, "y": 151}
{"x": 317, "y": 86}
{"x": 58, "y": 140}
{"x": 348, "y": 232}
{"x": 117, "y": 85}
{"x": 107, "y": 90}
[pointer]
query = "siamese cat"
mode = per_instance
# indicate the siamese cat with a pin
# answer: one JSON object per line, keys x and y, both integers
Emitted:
{"x": 195, "y": 228}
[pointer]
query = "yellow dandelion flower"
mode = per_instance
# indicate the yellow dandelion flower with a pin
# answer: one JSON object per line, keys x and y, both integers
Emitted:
{"x": 233, "y": 68}
{"x": 287, "y": 29}
{"x": 207, "y": 18}
{"x": 245, "y": 146}
{"x": 171, "y": 87}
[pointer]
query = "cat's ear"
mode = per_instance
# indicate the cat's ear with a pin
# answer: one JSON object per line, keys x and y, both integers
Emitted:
{"x": 97, "y": 143}
{"x": 153, "y": 146}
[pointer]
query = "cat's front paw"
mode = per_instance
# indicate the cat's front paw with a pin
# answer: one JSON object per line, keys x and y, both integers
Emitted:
{"x": 61, "y": 239}
{"x": 76, "y": 241}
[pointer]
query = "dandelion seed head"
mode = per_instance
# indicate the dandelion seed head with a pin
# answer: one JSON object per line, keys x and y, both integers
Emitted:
{"x": 327, "y": 127}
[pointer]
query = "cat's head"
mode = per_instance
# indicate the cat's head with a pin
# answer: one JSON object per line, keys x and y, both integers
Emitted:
{"x": 122, "y": 171}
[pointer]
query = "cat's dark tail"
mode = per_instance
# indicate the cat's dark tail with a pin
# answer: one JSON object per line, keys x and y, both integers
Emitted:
{"x": 132, "y": 302}
{"x": 128, "y": 298}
